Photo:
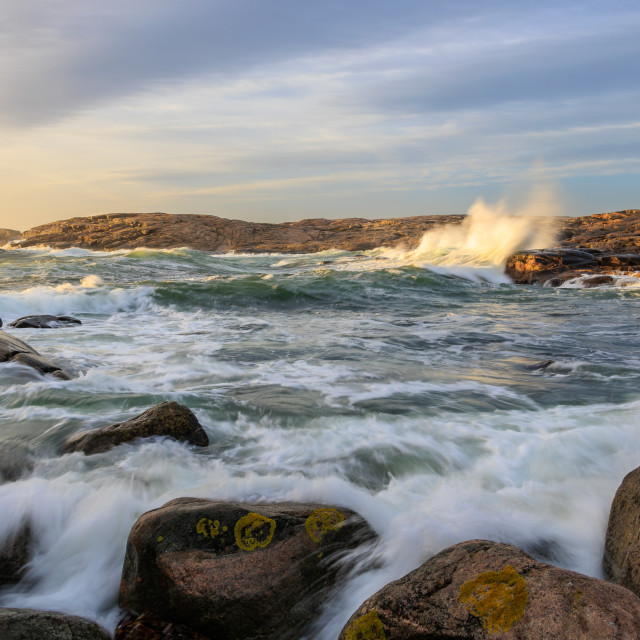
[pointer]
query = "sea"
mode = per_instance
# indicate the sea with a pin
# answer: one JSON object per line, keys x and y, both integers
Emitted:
{"x": 420, "y": 388}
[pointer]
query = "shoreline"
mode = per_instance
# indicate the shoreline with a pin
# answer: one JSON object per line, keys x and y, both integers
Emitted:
{"x": 601, "y": 246}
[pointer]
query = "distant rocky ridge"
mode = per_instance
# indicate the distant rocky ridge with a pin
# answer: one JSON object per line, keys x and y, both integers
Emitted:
{"x": 210, "y": 233}
{"x": 597, "y": 245}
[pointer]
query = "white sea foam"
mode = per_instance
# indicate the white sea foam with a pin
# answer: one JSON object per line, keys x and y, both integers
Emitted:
{"x": 90, "y": 295}
{"x": 530, "y": 479}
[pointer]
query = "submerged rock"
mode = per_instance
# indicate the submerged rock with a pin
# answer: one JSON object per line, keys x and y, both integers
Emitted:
{"x": 31, "y": 624}
{"x": 14, "y": 350}
{"x": 237, "y": 570}
{"x": 15, "y": 552}
{"x": 44, "y": 322}
{"x": 621, "y": 560}
{"x": 165, "y": 419}
{"x": 476, "y": 589}
{"x": 16, "y": 458}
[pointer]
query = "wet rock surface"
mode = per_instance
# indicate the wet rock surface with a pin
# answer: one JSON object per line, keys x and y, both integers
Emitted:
{"x": 44, "y": 322}
{"x": 237, "y": 570}
{"x": 555, "y": 266}
{"x": 15, "y": 552}
{"x": 169, "y": 419}
{"x": 621, "y": 560}
{"x": 18, "y": 352}
{"x": 599, "y": 245}
{"x": 481, "y": 589}
{"x": 31, "y": 624}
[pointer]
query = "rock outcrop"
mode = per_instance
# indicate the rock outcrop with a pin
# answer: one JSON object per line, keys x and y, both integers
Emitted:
{"x": 6, "y": 235}
{"x": 611, "y": 239}
{"x": 210, "y": 233}
{"x": 168, "y": 419}
{"x": 476, "y": 589}
{"x": 601, "y": 246}
{"x": 555, "y": 266}
{"x": 18, "y": 352}
{"x": 622, "y": 543}
{"x": 237, "y": 570}
{"x": 29, "y": 624}
{"x": 44, "y": 322}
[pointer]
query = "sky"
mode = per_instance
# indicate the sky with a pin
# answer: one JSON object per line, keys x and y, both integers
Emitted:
{"x": 275, "y": 110}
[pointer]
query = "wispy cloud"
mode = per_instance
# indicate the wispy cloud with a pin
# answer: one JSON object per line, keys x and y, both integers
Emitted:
{"x": 235, "y": 106}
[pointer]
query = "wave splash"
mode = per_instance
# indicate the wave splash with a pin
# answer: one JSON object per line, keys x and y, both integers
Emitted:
{"x": 489, "y": 234}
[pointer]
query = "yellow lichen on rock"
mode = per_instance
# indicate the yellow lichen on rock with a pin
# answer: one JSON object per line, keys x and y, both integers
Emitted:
{"x": 254, "y": 530}
{"x": 208, "y": 528}
{"x": 366, "y": 627}
{"x": 321, "y": 521}
{"x": 497, "y": 598}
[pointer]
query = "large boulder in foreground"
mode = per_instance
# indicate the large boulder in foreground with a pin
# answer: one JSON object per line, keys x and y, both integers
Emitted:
{"x": 44, "y": 322}
{"x": 27, "y": 624}
{"x": 622, "y": 543}
{"x": 481, "y": 589}
{"x": 237, "y": 570}
{"x": 18, "y": 352}
{"x": 165, "y": 419}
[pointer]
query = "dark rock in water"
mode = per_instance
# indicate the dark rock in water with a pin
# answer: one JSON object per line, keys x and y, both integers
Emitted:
{"x": 165, "y": 419}
{"x": 14, "y": 555}
{"x": 44, "y": 322}
{"x": 621, "y": 560}
{"x": 14, "y": 350}
{"x": 552, "y": 267}
{"x": 476, "y": 589}
{"x": 30, "y": 624}
{"x": 144, "y": 627}
{"x": 234, "y": 570}
{"x": 597, "y": 281}
{"x": 15, "y": 459}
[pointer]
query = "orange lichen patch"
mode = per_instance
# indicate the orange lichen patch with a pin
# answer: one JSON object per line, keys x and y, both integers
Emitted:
{"x": 321, "y": 521}
{"x": 254, "y": 530}
{"x": 498, "y": 598}
{"x": 208, "y": 528}
{"x": 367, "y": 627}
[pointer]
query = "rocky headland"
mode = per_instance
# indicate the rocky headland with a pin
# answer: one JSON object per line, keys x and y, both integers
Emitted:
{"x": 599, "y": 245}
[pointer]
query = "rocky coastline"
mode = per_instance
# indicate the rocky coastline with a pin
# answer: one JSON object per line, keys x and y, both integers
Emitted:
{"x": 203, "y": 569}
{"x": 599, "y": 246}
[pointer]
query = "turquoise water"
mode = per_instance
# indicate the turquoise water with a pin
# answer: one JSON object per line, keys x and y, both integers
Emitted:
{"x": 433, "y": 396}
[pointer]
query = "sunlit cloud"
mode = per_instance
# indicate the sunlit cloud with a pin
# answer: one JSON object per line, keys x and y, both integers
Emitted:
{"x": 269, "y": 110}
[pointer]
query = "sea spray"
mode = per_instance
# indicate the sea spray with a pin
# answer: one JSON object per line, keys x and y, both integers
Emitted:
{"x": 489, "y": 234}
